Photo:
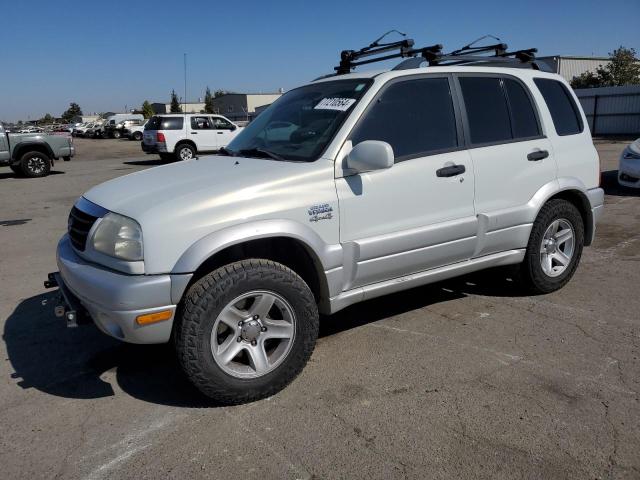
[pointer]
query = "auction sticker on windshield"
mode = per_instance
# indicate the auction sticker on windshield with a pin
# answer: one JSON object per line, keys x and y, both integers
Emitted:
{"x": 341, "y": 104}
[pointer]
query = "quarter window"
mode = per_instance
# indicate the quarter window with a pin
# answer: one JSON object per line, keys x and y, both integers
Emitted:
{"x": 487, "y": 110}
{"x": 564, "y": 111}
{"x": 415, "y": 117}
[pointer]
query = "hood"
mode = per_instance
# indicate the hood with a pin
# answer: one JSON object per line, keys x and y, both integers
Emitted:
{"x": 179, "y": 203}
{"x": 635, "y": 147}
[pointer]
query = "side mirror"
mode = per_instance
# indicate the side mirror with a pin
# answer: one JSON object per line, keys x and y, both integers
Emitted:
{"x": 370, "y": 155}
{"x": 233, "y": 127}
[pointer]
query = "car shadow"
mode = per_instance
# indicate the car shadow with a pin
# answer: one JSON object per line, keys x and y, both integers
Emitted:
{"x": 611, "y": 186}
{"x": 80, "y": 362}
{"x": 10, "y": 174}
{"x": 148, "y": 163}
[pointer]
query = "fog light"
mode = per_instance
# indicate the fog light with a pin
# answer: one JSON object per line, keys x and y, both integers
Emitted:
{"x": 149, "y": 318}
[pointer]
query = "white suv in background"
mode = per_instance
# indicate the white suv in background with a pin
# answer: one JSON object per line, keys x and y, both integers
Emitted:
{"x": 185, "y": 135}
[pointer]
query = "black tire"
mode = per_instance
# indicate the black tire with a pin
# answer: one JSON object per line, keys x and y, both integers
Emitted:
{"x": 182, "y": 148}
{"x": 531, "y": 271}
{"x": 206, "y": 299}
{"x": 137, "y": 136}
{"x": 116, "y": 134}
{"x": 35, "y": 164}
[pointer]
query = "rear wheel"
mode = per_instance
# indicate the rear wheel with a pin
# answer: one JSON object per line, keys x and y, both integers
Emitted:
{"x": 185, "y": 152}
{"x": 555, "y": 247}
{"x": 247, "y": 330}
{"x": 35, "y": 164}
{"x": 116, "y": 134}
{"x": 137, "y": 136}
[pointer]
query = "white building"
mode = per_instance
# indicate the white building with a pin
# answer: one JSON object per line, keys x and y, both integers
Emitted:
{"x": 569, "y": 67}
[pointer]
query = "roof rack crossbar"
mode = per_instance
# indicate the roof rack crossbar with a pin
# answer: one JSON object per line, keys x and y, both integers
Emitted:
{"x": 466, "y": 55}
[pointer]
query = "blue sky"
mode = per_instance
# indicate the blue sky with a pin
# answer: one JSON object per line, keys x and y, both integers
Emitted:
{"x": 104, "y": 57}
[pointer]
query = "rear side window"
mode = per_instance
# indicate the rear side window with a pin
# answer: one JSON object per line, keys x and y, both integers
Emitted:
{"x": 165, "y": 123}
{"x": 564, "y": 111}
{"x": 524, "y": 121}
{"x": 487, "y": 110}
{"x": 415, "y": 117}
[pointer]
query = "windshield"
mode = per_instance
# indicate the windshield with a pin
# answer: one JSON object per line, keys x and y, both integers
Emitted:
{"x": 301, "y": 123}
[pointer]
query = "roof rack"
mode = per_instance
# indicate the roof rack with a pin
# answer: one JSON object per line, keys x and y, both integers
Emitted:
{"x": 488, "y": 55}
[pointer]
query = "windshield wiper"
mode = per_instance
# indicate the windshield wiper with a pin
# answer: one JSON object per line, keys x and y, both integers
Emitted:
{"x": 227, "y": 152}
{"x": 252, "y": 152}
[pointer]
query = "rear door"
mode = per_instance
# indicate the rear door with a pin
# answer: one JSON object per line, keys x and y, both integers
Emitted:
{"x": 202, "y": 133}
{"x": 512, "y": 158}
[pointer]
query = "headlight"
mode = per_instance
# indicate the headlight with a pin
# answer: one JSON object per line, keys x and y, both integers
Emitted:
{"x": 118, "y": 236}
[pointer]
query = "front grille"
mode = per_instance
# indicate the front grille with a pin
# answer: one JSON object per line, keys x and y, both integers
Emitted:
{"x": 79, "y": 225}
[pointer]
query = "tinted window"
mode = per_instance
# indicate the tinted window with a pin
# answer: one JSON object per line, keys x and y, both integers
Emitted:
{"x": 221, "y": 124}
{"x": 414, "y": 117}
{"x": 164, "y": 123}
{"x": 487, "y": 110}
{"x": 524, "y": 122}
{"x": 564, "y": 112}
{"x": 201, "y": 123}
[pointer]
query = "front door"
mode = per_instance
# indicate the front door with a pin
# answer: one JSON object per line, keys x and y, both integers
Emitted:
{"x": 224, "y": 131}
{"x": 203, "y": 133}
{"x": 418, "y": 214}
{"x": 5, "y": 155}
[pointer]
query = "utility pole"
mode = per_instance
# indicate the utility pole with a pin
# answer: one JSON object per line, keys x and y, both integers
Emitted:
{"x": 184, "y": 108}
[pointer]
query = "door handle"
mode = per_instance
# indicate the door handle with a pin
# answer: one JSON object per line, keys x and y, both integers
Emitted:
{"x": 219, "y": 133}
{"x": 450, "y": 171}
{"x": 537, "y": 155}
{"x": 194, "y": 133}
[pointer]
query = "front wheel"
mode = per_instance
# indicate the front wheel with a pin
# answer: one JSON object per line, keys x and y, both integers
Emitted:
{"x": 246, "y": 331}
{"x": 116, "y": 134}
{"x": 555, "y": 247}
{"x": 137, "y": 136}
{"x": 35, "y": 164}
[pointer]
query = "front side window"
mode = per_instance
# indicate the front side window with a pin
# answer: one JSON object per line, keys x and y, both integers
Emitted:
{"x": 301, "y": 123}
{"x": 487, "y": 110}
{"x": 415, "y": 117}
{"x": 564, "y": 111}
{"x": 221, "y": 124}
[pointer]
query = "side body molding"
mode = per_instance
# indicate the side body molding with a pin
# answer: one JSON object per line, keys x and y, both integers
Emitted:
{"x": 328, "y": 256}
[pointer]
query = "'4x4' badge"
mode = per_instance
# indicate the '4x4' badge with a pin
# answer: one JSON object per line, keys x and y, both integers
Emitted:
{"x": 320, "y": 212}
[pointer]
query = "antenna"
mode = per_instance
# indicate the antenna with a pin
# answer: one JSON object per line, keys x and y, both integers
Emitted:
{"x": 184, "y": 108}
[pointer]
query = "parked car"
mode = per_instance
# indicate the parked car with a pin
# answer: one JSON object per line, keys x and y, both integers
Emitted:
{"x": 183, "y": 136}
{"x": 33, "y": 154}
{"x": 629, "y": 166}
{"x": 80, "y": 130}
{"x": 96, "y": 130}
{"x": 121, "y": 129}
{"x": 135, "y": 132}
{"x": 390, "y": 180}
{"x": 114, "y": 124}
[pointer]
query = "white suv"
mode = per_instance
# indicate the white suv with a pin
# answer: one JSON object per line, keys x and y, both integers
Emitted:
{"x": 345, "y": 189}
{"x": 185, "y": 135}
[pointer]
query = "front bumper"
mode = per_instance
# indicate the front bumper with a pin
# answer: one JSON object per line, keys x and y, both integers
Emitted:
{"x": 629, "y": 172}
{"x": 114, "y": 300}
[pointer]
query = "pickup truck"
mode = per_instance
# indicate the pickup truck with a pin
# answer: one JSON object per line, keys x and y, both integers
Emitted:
{"x": 33, "y": 154}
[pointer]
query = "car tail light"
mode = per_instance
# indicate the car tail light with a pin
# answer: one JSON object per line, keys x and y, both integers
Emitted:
{"x": 160, "y": 137}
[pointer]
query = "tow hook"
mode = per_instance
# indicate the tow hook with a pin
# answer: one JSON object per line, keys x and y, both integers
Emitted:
{"x": 66, "y": 304}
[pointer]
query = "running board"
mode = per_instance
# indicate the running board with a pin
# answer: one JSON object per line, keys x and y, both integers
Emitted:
{"x": 367, "y": 292}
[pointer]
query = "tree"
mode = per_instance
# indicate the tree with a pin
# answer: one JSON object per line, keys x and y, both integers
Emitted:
{"x": 219, "y": 93}
{"x": 147, "y": 109}
{"x": 622, "y": 69}
{"x": 46, "y": 119}
{"x": 208, "y": 101}
{"x": 73, "y": 111}
{"x": 175, "y": 104}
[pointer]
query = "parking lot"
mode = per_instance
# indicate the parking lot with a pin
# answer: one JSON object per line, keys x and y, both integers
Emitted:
{"x": 468, "y": 378}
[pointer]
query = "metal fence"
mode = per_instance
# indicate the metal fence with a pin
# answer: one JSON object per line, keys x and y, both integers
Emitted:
{"x": 612, "y": 110}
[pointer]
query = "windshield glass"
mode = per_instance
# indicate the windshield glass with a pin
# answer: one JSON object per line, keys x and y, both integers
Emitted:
{"x": 301, "y": 123}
